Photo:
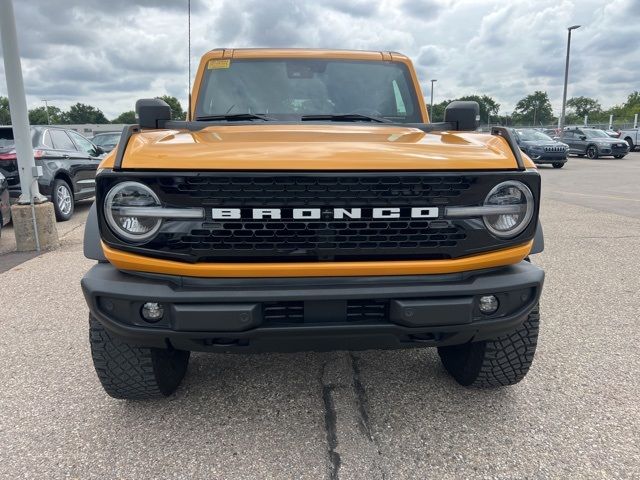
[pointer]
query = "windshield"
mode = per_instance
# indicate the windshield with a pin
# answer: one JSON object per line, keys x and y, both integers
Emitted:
{"x": 106, "y": 139}
{"x": 6, "y": 137}
{"x": 595, "y": 134}
{"x": 288, "y": 89}
{"x": 532, "y": 135}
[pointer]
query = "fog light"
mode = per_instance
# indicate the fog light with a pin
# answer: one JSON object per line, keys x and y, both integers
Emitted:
{"x": 152, "y": 311}
{"x": 489, "y": 304}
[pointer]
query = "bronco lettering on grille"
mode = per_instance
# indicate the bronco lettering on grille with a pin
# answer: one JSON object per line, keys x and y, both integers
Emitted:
{"x": 318, "y": 213}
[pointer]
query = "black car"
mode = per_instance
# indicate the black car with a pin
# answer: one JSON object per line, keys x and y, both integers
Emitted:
{"x": 540, "y": 147}
{"x": 69, "y": 162}
{"x": 593, "y": 143}
{"x": 106, "y": 140}
{"x": 5, "y": 211}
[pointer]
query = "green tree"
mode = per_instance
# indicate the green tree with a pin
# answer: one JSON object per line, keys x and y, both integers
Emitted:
{"x": 534, "y": 109}
{"x": 38, "y": 116}
{"x": 582, "y": 106}
{"x": 438, "y": 111}
{"x": 176, "y": 109}
{"x": 5, "y": 114}
{"x": 81, "y": 113}
{"x": 125, "y": 117}
{"x": 633, "y": 101}
{"x": 488, "y": 106}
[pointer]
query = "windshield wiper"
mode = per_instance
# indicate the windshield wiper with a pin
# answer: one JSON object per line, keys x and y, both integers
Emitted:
{"x": 346, "y": 117}
{"x": 235, "y": 117}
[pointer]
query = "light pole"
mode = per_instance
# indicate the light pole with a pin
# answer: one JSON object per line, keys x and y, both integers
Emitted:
{"x": 433, "y": 80}
{"x": 566, "y": 76}
{"x": 46, "y": 108}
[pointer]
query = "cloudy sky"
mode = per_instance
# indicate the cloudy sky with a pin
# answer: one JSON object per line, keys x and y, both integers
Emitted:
{"x": 109, "y": 53}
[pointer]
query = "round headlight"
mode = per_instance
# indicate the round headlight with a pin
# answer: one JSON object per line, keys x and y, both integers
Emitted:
{"x": 133, "y": 228}
{"x": 510, "y": 193}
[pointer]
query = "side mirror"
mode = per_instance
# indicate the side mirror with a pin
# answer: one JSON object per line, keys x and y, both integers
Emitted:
{"x": 583, "y": 137}
{"x": 152, "y": 112}
{"x": 99, "y": 150}
{"x": 464, "y": 114}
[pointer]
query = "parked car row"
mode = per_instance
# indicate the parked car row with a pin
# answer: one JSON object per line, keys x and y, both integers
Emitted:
{"x": 553, "y": 146}
{"x": 69, "y": 162}
{"x": 593, "y": 143}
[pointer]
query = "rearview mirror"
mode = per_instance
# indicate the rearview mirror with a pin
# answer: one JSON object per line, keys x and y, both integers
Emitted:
{"x": 152, "y": 112}
{"x": 465, "y": 115}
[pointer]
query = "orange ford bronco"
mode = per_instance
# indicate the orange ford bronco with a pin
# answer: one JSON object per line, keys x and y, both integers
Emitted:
{"x": 307, "y": 203}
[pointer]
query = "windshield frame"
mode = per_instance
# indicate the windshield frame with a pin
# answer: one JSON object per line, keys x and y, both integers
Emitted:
{"x": 414, "y": 93}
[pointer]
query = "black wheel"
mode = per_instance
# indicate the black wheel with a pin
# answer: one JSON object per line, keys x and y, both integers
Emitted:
{"x": 131, "y": 372}
{"x": 558, "y": 165}
{"x": 632, "y": 147}
{"x": 618, "y": 156}
{"x": 62, "y": 198}
{"x": 592, "y": 152}
{"x": 494, "y": 363}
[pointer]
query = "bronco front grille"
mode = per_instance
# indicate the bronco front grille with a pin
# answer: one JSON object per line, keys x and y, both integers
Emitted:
{"x": 315, "y": 191}
{"x": 326, "y": 238}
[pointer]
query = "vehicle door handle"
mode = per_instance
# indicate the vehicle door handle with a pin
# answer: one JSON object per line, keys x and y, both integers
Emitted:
{"x": 65, "y": 156}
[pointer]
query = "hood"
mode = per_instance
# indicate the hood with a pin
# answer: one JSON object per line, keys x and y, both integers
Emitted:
{"x": 314, "y": 147}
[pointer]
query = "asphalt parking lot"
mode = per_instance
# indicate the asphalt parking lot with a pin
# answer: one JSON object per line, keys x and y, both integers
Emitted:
{"x": 364, "y": 415}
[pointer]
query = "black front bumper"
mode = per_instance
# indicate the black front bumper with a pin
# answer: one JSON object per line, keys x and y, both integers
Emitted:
{"x": 548, "y": 158}
{"x": 295, "y": 314}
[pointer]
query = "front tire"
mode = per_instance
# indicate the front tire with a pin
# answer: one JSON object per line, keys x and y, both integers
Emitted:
{"x": 62, "y": 198}
{"x": 497, "y": 362}
{"x": 134, "y": 373}
{"x": 592, "y": 152}
{"x": 558, "y": 165}
{"x": 632, "y": 147}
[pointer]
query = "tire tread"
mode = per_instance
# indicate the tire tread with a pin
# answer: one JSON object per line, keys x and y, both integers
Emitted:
{"x": 502, "y": 361}
{"x": 126, "y": 371}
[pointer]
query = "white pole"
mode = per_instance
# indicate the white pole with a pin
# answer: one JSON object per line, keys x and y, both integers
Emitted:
{"x": 635, "y": 121}
{"x": 586, "y": 120}
{"x": 610, "y": 122}
{"x": 18, "y": 105}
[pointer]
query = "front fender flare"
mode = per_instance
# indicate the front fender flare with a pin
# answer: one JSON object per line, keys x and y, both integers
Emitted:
{"x": 538, "y": 240}
{"x": 92, "y": 247}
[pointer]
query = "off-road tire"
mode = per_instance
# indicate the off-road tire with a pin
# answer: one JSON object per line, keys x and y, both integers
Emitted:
{"x": 498, "y": 362}
{"x": 134, "y": 373}
{"x": 592, "y": 152}
{"x": 558, "y": 165}
{"x": 62, "y": 214}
